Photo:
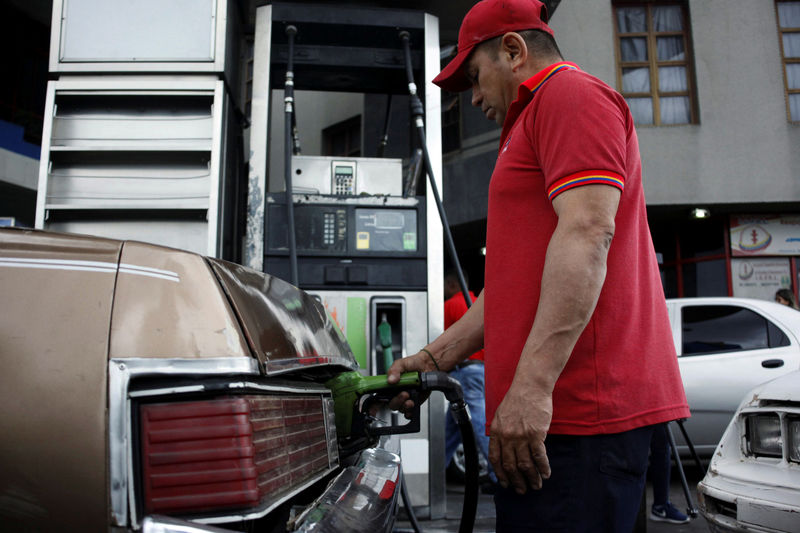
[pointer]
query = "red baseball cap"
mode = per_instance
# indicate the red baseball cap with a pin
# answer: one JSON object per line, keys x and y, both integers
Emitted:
{"x": 487, "y": 19}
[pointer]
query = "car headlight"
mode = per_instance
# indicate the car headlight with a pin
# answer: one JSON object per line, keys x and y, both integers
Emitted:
{"x": 764, "y": 435}
{"x": 793, "y": 425}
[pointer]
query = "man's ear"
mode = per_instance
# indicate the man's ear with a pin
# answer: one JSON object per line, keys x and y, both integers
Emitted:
{"x": 514, "y": 48}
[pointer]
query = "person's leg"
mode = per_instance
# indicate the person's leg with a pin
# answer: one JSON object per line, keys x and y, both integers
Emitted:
{"x": 662, "y": 509}
{"x": 596, "y": 485}
{"x": 660, "y": 465}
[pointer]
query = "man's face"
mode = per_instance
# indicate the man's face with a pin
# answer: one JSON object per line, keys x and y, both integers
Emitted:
{"x": 492, "y": 82}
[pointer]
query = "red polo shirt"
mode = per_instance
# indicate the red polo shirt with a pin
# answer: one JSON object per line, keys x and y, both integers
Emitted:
{"x": 568, "y": 129}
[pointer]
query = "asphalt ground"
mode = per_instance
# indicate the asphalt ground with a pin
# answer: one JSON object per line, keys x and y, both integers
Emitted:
{"x": 485, "y": 515}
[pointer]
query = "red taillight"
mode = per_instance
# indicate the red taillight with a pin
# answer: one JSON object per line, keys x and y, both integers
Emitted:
{"x": 198, "y": 456}
{"x": 229, "y": 453}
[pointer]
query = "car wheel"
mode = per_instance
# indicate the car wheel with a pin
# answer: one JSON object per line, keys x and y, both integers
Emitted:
{"x": 457, "y": 467}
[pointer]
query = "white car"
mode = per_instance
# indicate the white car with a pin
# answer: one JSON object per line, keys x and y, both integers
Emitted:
{"x": 726, "y": 346}
{"x": 753, "y": 482}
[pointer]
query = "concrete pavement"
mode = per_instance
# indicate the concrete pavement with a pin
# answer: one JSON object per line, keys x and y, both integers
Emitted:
{"x": 484, "y": 522}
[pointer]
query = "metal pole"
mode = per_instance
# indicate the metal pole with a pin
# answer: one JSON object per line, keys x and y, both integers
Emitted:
{"x": 697, "y": 461}
{"x": 690, "y": 508}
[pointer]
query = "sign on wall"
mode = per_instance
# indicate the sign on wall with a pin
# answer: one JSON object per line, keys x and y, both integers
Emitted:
{"x": 765, "y": 235}
{"x": 760, "y": 277}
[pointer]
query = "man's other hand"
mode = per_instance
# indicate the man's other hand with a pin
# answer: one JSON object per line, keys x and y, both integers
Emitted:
{"x": 516, "y": 446}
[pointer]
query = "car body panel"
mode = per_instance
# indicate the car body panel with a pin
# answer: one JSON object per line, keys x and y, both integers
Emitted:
{"x": 53, "y": 383}
{"x": 286, "y": 328}
{"x": 715, "y": 382}
{"x": 742, "y": 492}
{"x": 168, "y": 303}
{"x": 92, "y": 327}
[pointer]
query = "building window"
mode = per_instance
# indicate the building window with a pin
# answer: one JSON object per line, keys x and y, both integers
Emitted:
{"x": 654, "y": 70}
{"x": 343, "y": 139}
{"x": 789, "y": 28}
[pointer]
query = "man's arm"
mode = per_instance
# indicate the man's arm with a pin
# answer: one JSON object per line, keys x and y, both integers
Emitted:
{"x": 574, "y": 272}
{"x": 457, "y": 343}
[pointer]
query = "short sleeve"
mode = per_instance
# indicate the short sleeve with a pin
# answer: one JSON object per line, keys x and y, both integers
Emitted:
{"x": 580, "y": 133}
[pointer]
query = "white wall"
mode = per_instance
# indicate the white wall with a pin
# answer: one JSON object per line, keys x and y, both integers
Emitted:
{"x": 315, "y": 111}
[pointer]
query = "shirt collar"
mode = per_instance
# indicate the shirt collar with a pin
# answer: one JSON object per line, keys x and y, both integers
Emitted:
{"x": 528, "y": 88}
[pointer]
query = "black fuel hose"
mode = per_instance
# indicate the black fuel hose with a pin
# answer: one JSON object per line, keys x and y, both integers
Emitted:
{"x": 418, "y": 113}
{"x": 440, "y": 381}
{"x": 412, "y": 516}
{"x": 451, "y": 388}
{"x": 288, "y": 100}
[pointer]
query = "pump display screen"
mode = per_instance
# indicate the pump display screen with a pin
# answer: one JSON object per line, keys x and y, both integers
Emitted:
{"x": 386, "y": 230}
{"x": 343, "y": 171}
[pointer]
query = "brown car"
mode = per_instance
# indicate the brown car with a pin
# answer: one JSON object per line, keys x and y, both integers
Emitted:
{"x": 148, "y": 388}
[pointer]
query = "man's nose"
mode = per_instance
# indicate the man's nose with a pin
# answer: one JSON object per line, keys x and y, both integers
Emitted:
{"x": 476, "y": 97}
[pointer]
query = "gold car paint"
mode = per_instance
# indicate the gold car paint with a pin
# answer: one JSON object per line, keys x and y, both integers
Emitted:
{"x": 169, "y": 304}
{"x": 53, "y": 351}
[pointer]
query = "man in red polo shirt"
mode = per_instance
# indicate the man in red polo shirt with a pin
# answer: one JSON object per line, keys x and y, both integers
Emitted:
{"x": 579, "y": 358}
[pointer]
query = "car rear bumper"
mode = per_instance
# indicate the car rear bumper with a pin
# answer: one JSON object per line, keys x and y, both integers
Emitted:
{"x": 361, "y": 499}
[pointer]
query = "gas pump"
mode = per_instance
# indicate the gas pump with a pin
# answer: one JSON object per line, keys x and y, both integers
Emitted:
{"x": 367, "y": 242}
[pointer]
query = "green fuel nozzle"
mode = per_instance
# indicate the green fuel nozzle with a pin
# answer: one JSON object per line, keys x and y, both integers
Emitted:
{"x": 354, "y": 394}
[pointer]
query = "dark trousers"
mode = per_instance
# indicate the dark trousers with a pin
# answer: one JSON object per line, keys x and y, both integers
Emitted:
{"x": 596, "y": 484}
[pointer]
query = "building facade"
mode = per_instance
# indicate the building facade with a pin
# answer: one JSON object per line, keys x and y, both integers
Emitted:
{"x": 714, "y": 86}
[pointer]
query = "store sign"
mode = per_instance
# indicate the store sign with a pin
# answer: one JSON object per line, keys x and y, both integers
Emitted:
{"x": 760, "y": 278}
{"x": 765, "y": 235}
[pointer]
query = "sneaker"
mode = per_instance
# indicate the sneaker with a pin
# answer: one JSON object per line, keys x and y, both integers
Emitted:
{"x": 667, "y": 513}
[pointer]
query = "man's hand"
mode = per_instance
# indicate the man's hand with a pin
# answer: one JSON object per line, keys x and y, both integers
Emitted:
{"x": 517, "y": 433}
{"x": 419, "y": 362}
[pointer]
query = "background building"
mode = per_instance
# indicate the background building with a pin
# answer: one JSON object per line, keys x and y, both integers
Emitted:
{"x": 714, "y": 86}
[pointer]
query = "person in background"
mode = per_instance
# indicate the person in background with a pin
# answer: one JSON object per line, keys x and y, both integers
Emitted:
{"x": 786, "y": 297}
{"x": 580, "y": 361}
{"x": 470, "y": 374}
{"x": 660, "y": 469}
